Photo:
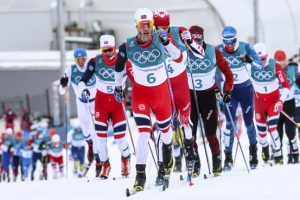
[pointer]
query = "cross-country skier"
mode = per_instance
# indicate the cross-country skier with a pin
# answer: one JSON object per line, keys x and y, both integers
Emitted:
{"x": 55, "y": 152}
{"x": 6, "y": 159}
{"x": 77, "y": 143}
{"x": 297, "y": 96}
{"x": 17, "y": 157}
{"x": 178, "y": 36}
{"x": 203, "y": 72}
{"x": 289, "y": 108}
{"x": 102, "y": 67}
{"x": 269, "y": 102}
{"x": 73, "y": 74}
{"x": 149, "y": 91}
{"x": 240, "y": 56}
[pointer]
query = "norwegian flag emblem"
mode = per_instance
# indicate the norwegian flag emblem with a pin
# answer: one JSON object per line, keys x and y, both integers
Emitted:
{"x": 105, "y": 42}
{"x": 143, "y": 16}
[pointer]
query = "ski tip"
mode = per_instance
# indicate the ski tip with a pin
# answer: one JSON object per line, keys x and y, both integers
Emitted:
{"x": 205, "y": 177}
{"x": 181, "y": 177}
{"x": 114, "y": 178}
{"x": 88, "y": 180}
{"x": 127, "y": 192}
{"x": 271, "y": 164}
{"x": 191, "y": 184}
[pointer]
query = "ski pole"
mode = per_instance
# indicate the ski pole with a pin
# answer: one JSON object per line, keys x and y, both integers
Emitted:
{"x": 239, "y": 144}
{"x": 123, "y": 106}
{"x": 219, "y": 119}
{"x": 66, "y": 123}
{"x": 297, "y": 124}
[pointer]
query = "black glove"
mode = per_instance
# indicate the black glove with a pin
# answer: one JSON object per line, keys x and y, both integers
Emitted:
{"x": 227, "y": 97}
{"x": 64, "y": 81}
{"x": 246, "y": 59}
{"x": 119, "y": 94}
{"x": 163, "y": 35}
{"x": 42, "y": 145}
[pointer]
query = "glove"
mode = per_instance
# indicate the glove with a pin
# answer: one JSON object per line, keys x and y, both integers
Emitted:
{"x": 218, "y": 93}
{"x": 42, "y": 145}
{"x": 186, "y": 35}
{"x": 278, "y": 106}
{"x": 227, "y": 97}
{"x": 246, "y": 59}
{"x": 163, "y": 35}
{"x": 64, "y": 81}
{"x": 85, "y": 95}
{"x": 119, "y": 94}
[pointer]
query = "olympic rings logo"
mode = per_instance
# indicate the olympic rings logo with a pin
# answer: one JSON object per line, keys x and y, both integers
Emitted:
{"x": 233, "y": 61}
{"x": 106, "y": 73}
{"x": 201, "y": 64}
{"x": 289, "y": 80}
{"x": 263, "y": 75}
{"x": 297, "y": 90}
{"x": 146, "y": 56}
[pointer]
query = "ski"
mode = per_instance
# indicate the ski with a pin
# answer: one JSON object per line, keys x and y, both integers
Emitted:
{"x": 190, "y": 166}
{"x": 130, "y": 192}
{"x": 88, "y": 166}
{"x": 167, "y": 178}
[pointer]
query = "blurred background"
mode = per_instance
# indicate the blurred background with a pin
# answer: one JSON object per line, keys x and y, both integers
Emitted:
{"x": 39, "y": 36}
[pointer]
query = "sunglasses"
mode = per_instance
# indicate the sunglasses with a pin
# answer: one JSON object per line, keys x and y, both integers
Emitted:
{"x": 229, "y": 40}
{"x": 107, "y": 50}
{"x": 143, "y": 24}
{"x": 77, "y": 60}
{"x": 163, "y": 27}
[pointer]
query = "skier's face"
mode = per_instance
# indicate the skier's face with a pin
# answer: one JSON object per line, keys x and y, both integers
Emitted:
{"x": 145, "y": 30}
{"x": 108, "y": 52}
{"x": 80, "y": 61}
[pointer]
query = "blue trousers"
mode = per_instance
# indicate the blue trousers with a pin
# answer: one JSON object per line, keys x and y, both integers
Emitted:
{"x": 243, "y": 94}
{"x": 78, "y": 154}
{"x": 35, "y": 157}
{"x": 26, "y": 164}
{"x": 6, "y": 160}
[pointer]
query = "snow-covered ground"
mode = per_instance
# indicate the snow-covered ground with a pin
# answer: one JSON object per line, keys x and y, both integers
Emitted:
{"x": 265, "y": 182}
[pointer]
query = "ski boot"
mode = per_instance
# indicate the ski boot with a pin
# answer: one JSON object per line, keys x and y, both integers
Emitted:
{"x": 228, "y": 163}
{"x": 98, "y": 169}
{"x": 178, "y": 165}
{"x": 217, "y": 164}
{"x": 278, "y": 160}
{"x": 140, "y": 178}
{"x": 160, "y": 179}
{"x": 290, "y": 159}
{"x": 295, "y": 155}
{"x": 253, "y": 157}
{"x": 167, "y": 162}
{"x": 197, "y": 166}
{"x": 105, "y": 170}
{"x": 265, "y": 155}
{"x": 125, "y": 166}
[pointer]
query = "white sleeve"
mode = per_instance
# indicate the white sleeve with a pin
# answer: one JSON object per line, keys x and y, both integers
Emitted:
{"x": 196, "y": 49}
{"x": 81, "y": 87}
{"x": 284, "y": 93}
{"x": 118, "y": 78}
{"x": 173, "y": 51}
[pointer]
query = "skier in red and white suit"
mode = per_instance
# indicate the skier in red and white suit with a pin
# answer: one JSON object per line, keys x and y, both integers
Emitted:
{"x": 106, "y": 107}
{"x": 150, "y": 88}
{"x": 181, "y": 38}
{"x": 266, "y": 86}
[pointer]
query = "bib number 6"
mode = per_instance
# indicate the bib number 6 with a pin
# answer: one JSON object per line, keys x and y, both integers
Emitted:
{"x": 151, "y": 78}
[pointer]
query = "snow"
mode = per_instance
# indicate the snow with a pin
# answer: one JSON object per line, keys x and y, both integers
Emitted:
{"x": 265, "y": 182}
